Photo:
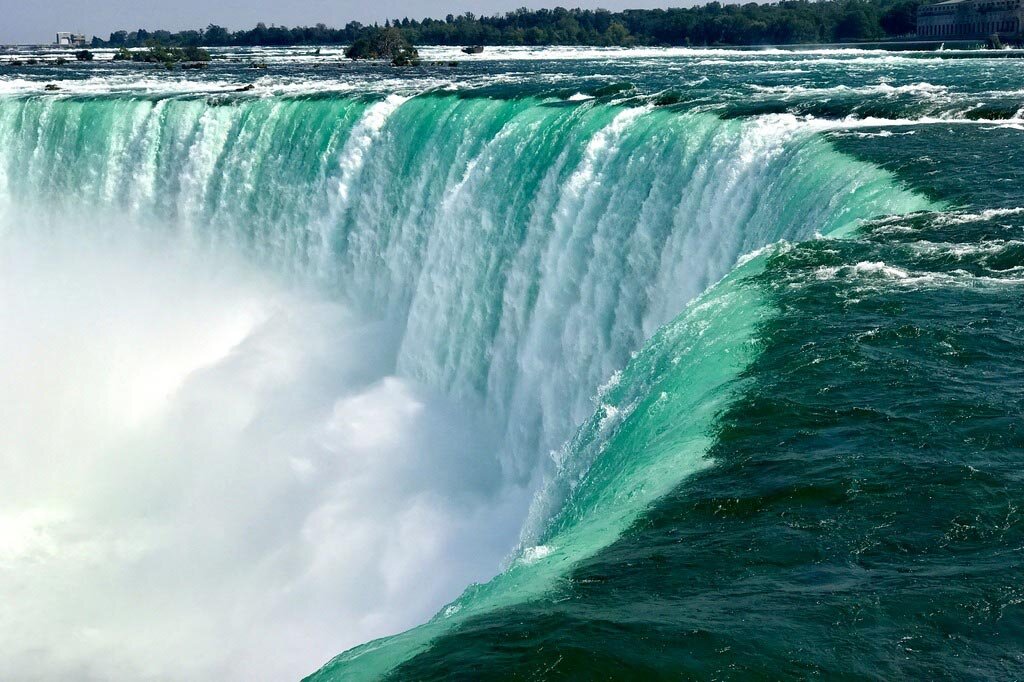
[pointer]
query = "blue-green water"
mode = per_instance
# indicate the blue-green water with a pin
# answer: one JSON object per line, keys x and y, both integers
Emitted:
{"x": 718, "y": 354}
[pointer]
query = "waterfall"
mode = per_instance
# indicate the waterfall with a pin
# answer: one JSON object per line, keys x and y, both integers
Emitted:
{"x": 454, "y": 315}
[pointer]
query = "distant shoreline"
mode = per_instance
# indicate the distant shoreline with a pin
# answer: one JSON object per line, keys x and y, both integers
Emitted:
{"x": 887, "y": 45}
{"x": 785, "y": 23}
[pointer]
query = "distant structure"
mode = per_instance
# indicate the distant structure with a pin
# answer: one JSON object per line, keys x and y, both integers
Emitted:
{"x": 65, "y": 39}
{"x": 969, "y": 19}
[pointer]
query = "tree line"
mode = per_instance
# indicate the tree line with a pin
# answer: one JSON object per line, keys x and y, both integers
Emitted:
{"x": 786, "y": 22}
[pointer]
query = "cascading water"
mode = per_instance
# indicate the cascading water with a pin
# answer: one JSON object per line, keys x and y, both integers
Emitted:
{"x": 580, "y": 230}
{"x": 341, "y": 348}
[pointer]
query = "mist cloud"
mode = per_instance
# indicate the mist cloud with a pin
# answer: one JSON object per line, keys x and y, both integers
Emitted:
{"x": 208, "y": 474}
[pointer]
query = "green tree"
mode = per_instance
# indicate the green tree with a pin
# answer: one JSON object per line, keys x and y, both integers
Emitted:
{"x": 617, "y": 34}
{"x": 900, "y": 19}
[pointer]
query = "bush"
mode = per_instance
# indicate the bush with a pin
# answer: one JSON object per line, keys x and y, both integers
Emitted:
{"x": 360, "y": 49}
{"x": 84, "y": 56}
{"x": 196, "y": 54}
{"x": 406, "y": 56}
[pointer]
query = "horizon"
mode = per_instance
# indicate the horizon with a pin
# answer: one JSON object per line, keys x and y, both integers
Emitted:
{"x": 38, "y": 25}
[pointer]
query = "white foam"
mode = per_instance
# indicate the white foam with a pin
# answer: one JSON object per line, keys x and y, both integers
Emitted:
{"x": 862, "y": 268}
{"x": 882, "y": 88}
{"x": 987, "y": 214}
{"x": 872, "y": 273}
{"x": 536, "y": 553}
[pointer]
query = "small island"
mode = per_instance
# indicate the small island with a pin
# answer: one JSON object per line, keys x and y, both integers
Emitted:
{"x": 387, "y": 43}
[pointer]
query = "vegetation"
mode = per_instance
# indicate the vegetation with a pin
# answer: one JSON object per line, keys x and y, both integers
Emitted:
{"x": 788, "y": 21}
{"x": 383, "y": 43}
{"x": 159, "y": 54}
{"x": 84, "y": 56}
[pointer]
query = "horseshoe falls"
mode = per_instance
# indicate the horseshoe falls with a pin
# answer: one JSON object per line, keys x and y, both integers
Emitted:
{"x": 561, "y": 364}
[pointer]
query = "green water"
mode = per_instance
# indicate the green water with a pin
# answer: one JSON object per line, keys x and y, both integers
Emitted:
{"x": 746, "y": 326}
{"x": 861, "y": 517}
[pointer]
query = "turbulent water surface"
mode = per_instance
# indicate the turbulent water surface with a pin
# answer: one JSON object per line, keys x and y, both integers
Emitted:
{"x": 567, "y": 363}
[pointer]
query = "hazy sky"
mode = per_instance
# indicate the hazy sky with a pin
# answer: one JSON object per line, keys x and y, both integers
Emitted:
{"x": 36, "y": 21}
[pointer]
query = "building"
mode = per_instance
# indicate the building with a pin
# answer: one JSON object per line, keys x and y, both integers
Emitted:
{"x": 970, "y": 19}
{"x": 65, "y": 39}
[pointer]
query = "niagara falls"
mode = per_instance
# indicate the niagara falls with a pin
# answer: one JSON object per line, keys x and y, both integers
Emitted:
{"x": 662, "y": 343}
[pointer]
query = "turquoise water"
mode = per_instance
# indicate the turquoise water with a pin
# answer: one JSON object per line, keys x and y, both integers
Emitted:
{"x": 735, "y": 335}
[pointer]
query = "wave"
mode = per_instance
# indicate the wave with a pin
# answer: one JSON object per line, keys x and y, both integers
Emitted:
{"x": 922, "y": 88}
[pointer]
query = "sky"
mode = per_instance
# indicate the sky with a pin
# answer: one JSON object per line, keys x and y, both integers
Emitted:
{"x": 26, "y": 21}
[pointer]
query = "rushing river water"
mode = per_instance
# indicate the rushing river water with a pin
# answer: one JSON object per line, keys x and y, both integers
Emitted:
{"x": 565, "y": 363}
